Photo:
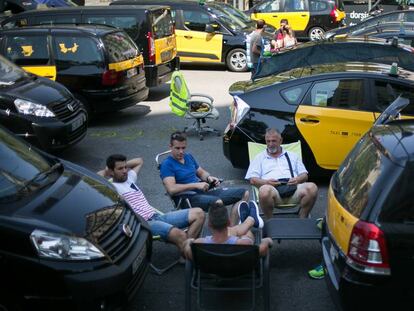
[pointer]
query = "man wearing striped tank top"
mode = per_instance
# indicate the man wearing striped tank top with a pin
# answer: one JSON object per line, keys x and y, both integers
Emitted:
{"x": 169, "y": 225}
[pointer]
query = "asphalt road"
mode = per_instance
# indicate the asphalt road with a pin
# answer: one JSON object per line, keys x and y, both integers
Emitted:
{"x": 143, "y": 131}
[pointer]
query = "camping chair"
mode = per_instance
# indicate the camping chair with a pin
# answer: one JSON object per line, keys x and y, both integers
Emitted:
{"x": 224, "y": 268}
{"x": 281, "y": 209}
{"x": 192, "y": 106}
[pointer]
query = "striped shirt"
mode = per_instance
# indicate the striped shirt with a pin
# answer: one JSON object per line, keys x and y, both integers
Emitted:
{"x": 134, "y": 196}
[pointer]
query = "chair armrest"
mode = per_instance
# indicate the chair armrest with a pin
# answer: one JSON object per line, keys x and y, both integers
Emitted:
{"x": 202, "y": 95}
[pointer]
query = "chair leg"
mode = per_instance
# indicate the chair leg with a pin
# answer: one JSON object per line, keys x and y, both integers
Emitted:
{"x": 188, "y": 278}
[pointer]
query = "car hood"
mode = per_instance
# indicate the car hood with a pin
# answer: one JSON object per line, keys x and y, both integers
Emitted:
{"x": 75, "y": 203}
{"x": 39, "y": 90}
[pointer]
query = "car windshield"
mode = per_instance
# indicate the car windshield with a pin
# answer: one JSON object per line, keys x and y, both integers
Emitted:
{"x": 228, "y": 20}
{"x": 10, "y": 73}
{"x": 236, "y": 12}
{"x": 120, "y": 47}
{"x": 23, "y": 171}
{"x": 162, "y": 23}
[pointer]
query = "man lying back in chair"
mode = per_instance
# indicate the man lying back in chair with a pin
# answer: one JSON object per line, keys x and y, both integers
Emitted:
{"x": 180, "y": 172}
{"x": 168, "y": 225}
{"x": 274, "y": 167}
{"x": 222, "y": 233}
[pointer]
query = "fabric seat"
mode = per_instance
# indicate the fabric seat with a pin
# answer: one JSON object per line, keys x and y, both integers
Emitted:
{"x": 192, "y": 106}
{"x": 254, "y": 149}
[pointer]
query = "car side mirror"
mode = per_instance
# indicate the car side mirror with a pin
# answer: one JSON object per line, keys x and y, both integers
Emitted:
{"x": 255, "y": 11}
{"x": 209, "y": 28}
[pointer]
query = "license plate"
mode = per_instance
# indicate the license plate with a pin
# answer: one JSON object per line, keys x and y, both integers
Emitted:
{"x": 131, "y": 72}
{"x": 166, "y": 56}
{"x": 78, "y": 122}
{"x": 137, "y": 262}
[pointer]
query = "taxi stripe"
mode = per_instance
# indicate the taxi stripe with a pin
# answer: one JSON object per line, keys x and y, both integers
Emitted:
{"x": 126, "y": 64}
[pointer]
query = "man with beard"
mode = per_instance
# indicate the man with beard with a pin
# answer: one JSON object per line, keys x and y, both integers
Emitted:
{"x": 274, "y": 167}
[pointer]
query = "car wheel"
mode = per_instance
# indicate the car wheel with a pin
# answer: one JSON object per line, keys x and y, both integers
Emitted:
{"x": 316, "y": 33}
{"x": 237, "y": 60}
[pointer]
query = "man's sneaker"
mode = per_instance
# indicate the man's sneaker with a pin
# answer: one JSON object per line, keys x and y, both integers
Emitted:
{"x": 254, "y": 212}
{"x": 244, "y": 211}
{"x": 317, "y": 273}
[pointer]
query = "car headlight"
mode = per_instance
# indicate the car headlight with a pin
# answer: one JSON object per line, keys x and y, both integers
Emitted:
{"x": 64, "y": 247}
{"x": 27, "y": 107}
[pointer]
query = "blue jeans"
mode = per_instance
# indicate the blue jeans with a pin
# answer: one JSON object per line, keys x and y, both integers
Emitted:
{"x": 161, "y": 224}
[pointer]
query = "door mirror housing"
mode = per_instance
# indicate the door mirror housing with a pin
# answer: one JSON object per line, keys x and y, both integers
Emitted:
{"x": 209, "y": 28}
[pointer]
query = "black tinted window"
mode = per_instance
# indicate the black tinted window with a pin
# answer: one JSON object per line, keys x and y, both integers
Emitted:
{"x": 317, "y": 6}
{"x": 294, "y": 5}
{"x": 162, "y": 23}
{"x": 270, "y": 6}
{"x": 344, "y": 94}
{"x": 294, "y": 94}
{"x": 27, "y": 50}
{"x": 119, "y": 47}
{"x": 388, "y": 92}
{"x": 73, "y": 51}
{"x": 408, "y": 17}
{"x": 18, "y": 22}
{"x": 127, "y": 23}
{"x": 196, "y": 20}
{"x": 356, "y": 176}
{"x": 57, "y": 19}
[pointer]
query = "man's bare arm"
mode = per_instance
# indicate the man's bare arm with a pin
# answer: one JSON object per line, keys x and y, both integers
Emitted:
{"x": 173, "y": 188}
{"x": 135, "y": 164}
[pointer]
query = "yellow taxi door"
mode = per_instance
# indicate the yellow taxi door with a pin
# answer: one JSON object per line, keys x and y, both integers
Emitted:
{"x": 270, "y": 11}
{"x": 297, "y": 13}
{"x": 332, "y": 120}
{"x": 194, "y": 43}
{"x": 31, "y": 52}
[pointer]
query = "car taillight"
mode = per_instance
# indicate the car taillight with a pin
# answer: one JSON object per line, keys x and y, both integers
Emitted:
{"x": 110, "y": 77}
{"x": 151, "y": 47}
{"x": 367, "y": 249}
{"x": 334, "y": 14}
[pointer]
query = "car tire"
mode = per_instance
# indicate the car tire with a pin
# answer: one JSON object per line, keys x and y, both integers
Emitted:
{"x": 236, "y": 60}
{"x": 316, "y": 33}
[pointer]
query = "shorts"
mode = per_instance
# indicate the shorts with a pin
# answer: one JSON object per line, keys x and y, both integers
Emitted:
{"x": 294, "y": 199}
{"x": 161, "y": 224}
{"x": 227, "y": 195}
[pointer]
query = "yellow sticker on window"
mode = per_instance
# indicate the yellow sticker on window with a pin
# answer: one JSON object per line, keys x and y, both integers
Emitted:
{"x": 64, "y": 49}
{"x": 27, "y": 50}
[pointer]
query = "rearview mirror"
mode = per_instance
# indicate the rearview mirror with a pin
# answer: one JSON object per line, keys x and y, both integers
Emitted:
{"x": 209, "y": 28}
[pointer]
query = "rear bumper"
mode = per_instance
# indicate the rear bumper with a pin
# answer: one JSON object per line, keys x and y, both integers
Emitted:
{"x": 159, "y": 74}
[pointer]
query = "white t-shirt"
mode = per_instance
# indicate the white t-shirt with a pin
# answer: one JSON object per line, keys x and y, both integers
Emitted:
{"x": 134, "y": 196}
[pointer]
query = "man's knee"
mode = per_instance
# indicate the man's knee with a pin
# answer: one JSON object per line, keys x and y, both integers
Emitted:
{"x": 311, "y": 189}
{"x": 265, "y": 192}
{"x": 196, "y": 213}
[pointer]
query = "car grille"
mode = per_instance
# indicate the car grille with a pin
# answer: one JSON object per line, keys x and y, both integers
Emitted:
{"x": 62, "y": 109}
{"x": 115, "y": 242}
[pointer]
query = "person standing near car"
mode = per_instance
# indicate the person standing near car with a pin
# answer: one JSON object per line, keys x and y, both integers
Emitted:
{"x": 275, "y": 167}
{"x": 256, "y": 44}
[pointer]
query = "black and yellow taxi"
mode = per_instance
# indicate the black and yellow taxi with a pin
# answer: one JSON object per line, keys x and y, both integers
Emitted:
{"x": 151, "y": 27}
{"x": 41, "y": 111}
{"x": 206, "y": 33}
{"x": 327, "y": 107}
{"x": 308, "y": 18}
{"x": 100, "y": 65}
{"x": 368, "y": 241}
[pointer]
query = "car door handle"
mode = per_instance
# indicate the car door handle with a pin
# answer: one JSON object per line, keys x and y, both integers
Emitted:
{"x": 304, "y": 15}
{"x": 309, "y": 120}
{"x": 274, "y": 15}
{"x": 188, "y": 37}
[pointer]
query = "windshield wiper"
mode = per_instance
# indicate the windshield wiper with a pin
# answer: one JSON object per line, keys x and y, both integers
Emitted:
{"x": 42, "y": 174}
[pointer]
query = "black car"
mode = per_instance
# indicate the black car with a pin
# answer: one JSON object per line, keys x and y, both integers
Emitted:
{"x": 151, "y": 27}
{"x": 43, "y": 112}
{"x": 328, "y": 107}
{"x": 394, "y": 16}
{"x": 67, "y": 239}
{"x": 100, "y": 65}
{"x": 368, "y": 242}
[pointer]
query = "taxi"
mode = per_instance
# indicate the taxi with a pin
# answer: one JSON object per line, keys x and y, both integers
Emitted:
{"x": 368, "y": 241}
{"x": 309, "y": 19}
{"x": 100, "y": 65}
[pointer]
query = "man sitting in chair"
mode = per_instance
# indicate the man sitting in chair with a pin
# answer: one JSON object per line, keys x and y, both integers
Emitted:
{"x": 180, "y": 172}
{"x": 222, "y": 233}
{"x": 274, "y": 167}
{"x": 168, "y": 226}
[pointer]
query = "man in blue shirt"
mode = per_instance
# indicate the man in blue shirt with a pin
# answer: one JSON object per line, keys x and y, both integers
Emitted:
{"x": 180, "y": 172}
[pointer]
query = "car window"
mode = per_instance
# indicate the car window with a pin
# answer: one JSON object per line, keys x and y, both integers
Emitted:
{"x": 18, "y": 22}
{"x": 196, "y": 20}
{"x": 317, "y": 6}
{"x": 127, "y": 23}
{"x": 162, "y": 23}
{"x": 294, "y": 94}
{"x": 57, "y": 19}
{"x": 27, "y": 50}
{"x": 408, "y": 17}
{"x": 270, "y": 6}
{"x": 388, "y": 92}
{"x": 357, "y": 175}
{"x": 10, "y": 73}
{"x": 76, "y": 51}
{"x": 294, "y": 5}
{"x": 119, "y": 47}
{"x": 343, "y": 94}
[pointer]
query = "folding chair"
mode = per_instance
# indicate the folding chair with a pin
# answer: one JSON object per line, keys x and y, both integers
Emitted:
{"x": 281, "y": 209}
{"x": 225, "y": 268}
